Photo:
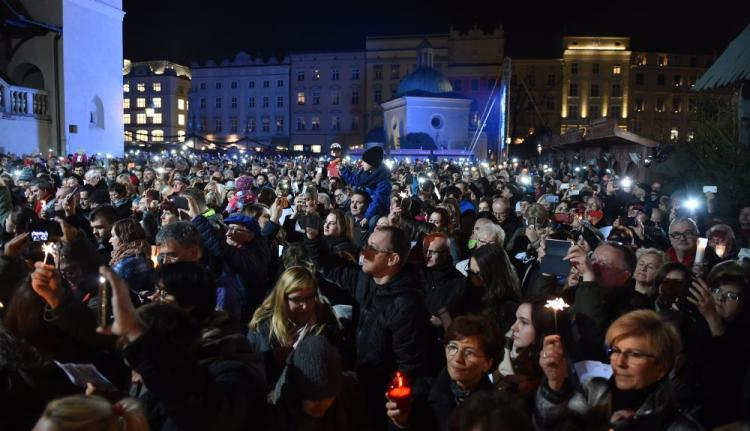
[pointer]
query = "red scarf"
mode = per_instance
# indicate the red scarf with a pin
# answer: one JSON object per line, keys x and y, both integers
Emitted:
{"x": 688, "y": 261}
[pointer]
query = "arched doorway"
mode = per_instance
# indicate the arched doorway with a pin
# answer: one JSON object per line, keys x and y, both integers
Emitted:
{"x": 28, "y": 75}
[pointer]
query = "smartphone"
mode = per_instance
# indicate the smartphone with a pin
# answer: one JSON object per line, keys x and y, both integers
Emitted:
{"x": 43, "y": 230}
{"x": 710, "y": 189}
{"x": 564, "y": 186}
{"x": 552, "y": 199}
{"x": 552, "y": 262}
{"x": 104, "y": 316}
{"x": 180, "y": 202}
{"x": 311, "y": 221}
{"x": 564, "y": 218}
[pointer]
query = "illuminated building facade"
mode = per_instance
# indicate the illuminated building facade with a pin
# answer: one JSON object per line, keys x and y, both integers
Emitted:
{"x": 155, "y": 101}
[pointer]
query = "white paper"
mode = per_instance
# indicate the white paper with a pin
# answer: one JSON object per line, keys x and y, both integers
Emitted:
{"x": 587, "y": 370}
{"x": 286, "y": 212}
{"x": 605, "y": 231}
{"x": 80, "y": 374}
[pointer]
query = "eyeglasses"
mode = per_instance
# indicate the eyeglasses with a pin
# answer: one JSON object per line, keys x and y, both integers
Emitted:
{"x": 482, "y": 242}
{"x": 631, "y": 356}
{"x": 468, "y": 353}
{"x": 722, "y": 296}
{"x": 682, "y": 235}
{"x": 368, "y": 248}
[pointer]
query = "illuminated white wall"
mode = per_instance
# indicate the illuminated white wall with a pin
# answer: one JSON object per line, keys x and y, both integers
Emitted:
{"x": 415, "y": 115}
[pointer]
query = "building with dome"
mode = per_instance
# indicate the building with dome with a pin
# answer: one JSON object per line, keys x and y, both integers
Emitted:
{"x": 425, "y": 112}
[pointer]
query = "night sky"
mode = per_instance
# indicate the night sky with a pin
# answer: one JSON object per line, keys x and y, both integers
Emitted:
{"x": 187, "y": 30}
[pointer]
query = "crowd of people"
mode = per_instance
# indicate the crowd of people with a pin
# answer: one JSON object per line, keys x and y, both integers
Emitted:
{"x": 191, "y": 292}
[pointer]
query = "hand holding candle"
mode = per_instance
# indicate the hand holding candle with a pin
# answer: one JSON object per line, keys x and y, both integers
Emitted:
{"x": 49, "y": 249}
{"x": 399, "y": 390}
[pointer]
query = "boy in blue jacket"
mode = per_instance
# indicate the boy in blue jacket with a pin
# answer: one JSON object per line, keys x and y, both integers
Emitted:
{"x": 375, "y": 178}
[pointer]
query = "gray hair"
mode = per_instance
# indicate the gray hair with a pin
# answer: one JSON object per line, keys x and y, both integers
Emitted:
{"x": 687, "y": 220}
{"x": 656, "y": 252}
{"x": 93, "y": 173}
{"x": 181, "y": 232}
{"x": 493, "y": 230}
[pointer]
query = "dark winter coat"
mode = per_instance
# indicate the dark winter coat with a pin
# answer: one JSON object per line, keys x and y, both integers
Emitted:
{"x": 376, "y": 182}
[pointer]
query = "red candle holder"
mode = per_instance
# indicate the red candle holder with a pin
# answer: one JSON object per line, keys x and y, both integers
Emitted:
{"x": 399, "y": 390}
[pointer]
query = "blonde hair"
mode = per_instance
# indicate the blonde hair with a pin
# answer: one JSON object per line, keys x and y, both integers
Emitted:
{"x": 275, "y": 308}
{"x": 662, "y": 336}
{"x": 83, "y": 413}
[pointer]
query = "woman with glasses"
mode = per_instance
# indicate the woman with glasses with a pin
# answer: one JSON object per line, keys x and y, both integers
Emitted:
{"x": 292, "y": 310}
{"x": 472, "y": 348}
{"x": 642, "y": 349}
{"x": 722, "y": 303}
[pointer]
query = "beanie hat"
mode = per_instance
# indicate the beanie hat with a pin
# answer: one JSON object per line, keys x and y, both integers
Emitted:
{"x": 314, "y": 369}
{"x": 244, "y": 220}
{"x": 244, "y": 183}
{"x": 373, "y": 156}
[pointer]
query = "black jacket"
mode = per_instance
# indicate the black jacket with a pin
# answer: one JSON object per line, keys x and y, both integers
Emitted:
{"x": 441, "y": 284}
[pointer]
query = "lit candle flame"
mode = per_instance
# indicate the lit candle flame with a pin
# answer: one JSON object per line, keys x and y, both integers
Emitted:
{"x": 557, "y": 304}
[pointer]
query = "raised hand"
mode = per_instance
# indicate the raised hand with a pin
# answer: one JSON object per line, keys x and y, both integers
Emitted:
{"x": 126, "y": 322}
{"x": 553, "y": 363}
{"x": 46, "y": 282}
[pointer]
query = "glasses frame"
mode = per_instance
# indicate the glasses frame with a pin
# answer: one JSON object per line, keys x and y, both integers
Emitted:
{"x": 631, "y": 356}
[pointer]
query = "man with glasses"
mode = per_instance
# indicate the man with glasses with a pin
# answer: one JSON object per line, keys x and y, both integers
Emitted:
{"x": 606, "y": 291}
{"x": 341, "y": 197}
{"x": 683, "y": 235}
{"x": 642, "y": 349}
{"x": 391, "y": 322}
{"x": 440, "y": 278}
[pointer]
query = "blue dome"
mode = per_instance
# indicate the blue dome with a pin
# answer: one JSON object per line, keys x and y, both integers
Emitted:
{"x": 425, "y": 80}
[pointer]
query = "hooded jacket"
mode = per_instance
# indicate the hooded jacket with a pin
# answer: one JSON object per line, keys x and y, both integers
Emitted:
{"x": 376, "y": 182}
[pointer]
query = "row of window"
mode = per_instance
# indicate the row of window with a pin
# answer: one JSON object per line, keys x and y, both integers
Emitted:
{"x": 594, "y": 90}
{"x": 315, "y": 98}
{"x": 140, "y": 102}
{"x": 251, "y": 124}
{"x": 156, "y": 118}
{"x": 616, "y": 69}
{"x": 335, "y": 74}
{"x": 251, "y": 84}
{"x": 594, "y": 111}
{"x": 156, "y": 135}
{"x": 661, "y": 105}
{"x": 233, "y": 102}
{"x": 661, "y": 80}
{"x": 458, "y": 84}
{"x": 141, "y": 87}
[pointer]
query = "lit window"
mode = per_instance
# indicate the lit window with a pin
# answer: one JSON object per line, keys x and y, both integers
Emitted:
{"x": 126, "y": 103}
{"x": 128, "y": 136}
{"x": 180, "y": 119}
{"x": 157, "y": 102}
{"x": 662, "y": 60}
{"x": 181, "y": 135}
{"x": 157, "y": 86}
{"x": 126, "y": 88}
{"x": 156, "y": 119}
{"x": 616, "y": 70}
{"x": 674, "y": 134}
{"x": 181, "y": 104}
{"x": 140, "y": 102}
{"x": 316, "y": 74}
{"x": 141, "y": 86}
{"x": 300, "y": 98}
{"x": 690, "y": 136}
{"x": 141, "y": 135}
{"x": 126, "y": 118}
{"x": 140, "y": 118}
{"x": 157, "y": 135}
{"x": 298, "y": 148}
{"x": 315, "y": 148}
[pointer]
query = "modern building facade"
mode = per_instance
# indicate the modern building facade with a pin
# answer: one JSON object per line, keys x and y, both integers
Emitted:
{"x": 155, "y": 101}
{"x": 243, "y": 100}
{"x": 63, "y": 63}
{"x": 327, "y": 100}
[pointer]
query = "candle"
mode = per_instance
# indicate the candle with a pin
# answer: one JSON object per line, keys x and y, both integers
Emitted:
{"x": 399, "y": 390}
{"x": 155, "y": 255}
{"x": 556, "y": 304}
{"x": 701, "y": 250}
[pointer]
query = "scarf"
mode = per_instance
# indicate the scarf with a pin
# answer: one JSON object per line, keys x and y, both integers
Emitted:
{"x": 139, "y": 247}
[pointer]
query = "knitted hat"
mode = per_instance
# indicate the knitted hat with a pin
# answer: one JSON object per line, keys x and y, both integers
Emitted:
{"x": 244, "y": 183}
{"x": 373, "y": 156}
{"x": 314, "y": 369}
{"x": 244, "y": 220}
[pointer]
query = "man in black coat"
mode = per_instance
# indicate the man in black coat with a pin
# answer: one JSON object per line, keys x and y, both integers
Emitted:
{"x": 439, "y": 277}
{"x": 392, "y": 329}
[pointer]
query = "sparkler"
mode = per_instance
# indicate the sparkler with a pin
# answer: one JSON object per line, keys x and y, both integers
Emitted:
{"x": 557, "y": 304}
{"x": 49, "y": 249}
